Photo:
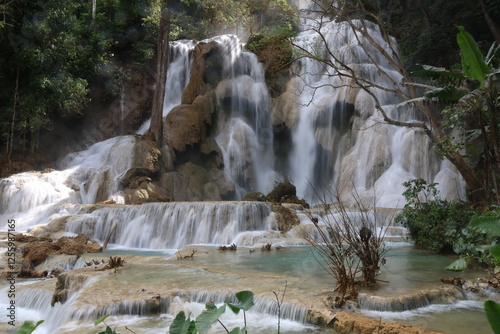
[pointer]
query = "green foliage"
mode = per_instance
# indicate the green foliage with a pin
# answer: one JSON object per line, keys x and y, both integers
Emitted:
{"x": 276, "y": 53}
{"x": 57, "y": 50}
{"x": 182, "y": 325}
{"x": 435, "y": 224}
{"x": 473, "y": 63}
{"x": 493, "y": 314}
{"x": 28, "y": 327}
{"x": 246, "y": 299}
{"x": 108, "y": 329}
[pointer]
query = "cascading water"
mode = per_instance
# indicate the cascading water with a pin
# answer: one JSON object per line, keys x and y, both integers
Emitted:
{"x": 172, "y": 226}
{"x": 245, "y": 137}
{"x": 339, "y": 138}
{"x": 178, "y": 74}
{"x": 88, "y": 176}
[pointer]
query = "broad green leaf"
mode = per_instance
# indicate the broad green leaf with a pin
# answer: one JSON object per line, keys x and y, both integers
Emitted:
{"x": 495, "y": 251}
{"x": 237, "y": 330}
{"x": 101, "y": 319}
{"x": 181, "y": 325}
{"x": 28, "y": 327}
{"x": 488, "y": 222}
{"x": 457, "y": 265}
{"x": 473, "y": 63}
{"x": 246, "y": 299}
{"x": 207, "y": 318}
{"x": 493, "y": 314}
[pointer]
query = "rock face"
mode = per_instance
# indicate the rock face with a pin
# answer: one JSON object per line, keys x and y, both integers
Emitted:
{"x": 287, "y": 218}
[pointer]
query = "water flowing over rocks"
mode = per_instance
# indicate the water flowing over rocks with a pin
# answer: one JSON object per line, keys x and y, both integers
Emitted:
{"x": 405, "y": 302}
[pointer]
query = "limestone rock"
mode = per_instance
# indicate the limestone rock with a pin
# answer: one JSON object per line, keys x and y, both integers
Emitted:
{"x": 345, "y": 323}
{"x": 189, "y": 124}
{"x": 36, "y": 250}
{"x": 147, "y": 156}
{"x": 287, "y": 218}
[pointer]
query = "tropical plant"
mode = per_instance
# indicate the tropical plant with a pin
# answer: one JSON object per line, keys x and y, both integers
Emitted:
{"x": 486, "y": 250}
{"x": 436, "y": 224}
{"x": 28, "y": 327}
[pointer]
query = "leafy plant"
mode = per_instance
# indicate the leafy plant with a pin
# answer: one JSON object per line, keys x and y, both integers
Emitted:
{"x": 491, "y": 221}
{"x": 108, "y": 329}
{"x": 28, "y": 327}
{"x": 488, "y": 225}
{"x": 435, "y": 224}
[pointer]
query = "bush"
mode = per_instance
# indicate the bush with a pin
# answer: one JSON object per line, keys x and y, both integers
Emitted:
{"x": 276, "y": 53}
{"x": 435, "y": 224}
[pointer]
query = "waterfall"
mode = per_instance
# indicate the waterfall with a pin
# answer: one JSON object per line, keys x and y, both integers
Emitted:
{"x": 34, "y": 304}
{"x": 87, "y": 176}
{"x": 246, "y": 136}
{"x": 339, "y": 139}
{"x": 178, "y": 73}
{"x": 174, "y": 225}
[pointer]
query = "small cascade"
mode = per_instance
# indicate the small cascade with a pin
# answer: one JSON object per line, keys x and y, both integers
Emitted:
{"x": 35, "y": 303}
{"x": 289, "y": 311}
{"x": 246, "y": 136}
{"x": 34, "y": 299}
{"x": 173, "y": 225}
{"x": 63, "y": 262}
{"x": 401, "y": 303}
{"x": 178, "y": 74}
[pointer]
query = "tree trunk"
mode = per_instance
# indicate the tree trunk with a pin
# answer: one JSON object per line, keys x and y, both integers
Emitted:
{"x": 494, "y": 28}
{"x": 10, "y": 143}
{"x": 162, "y": 55}
{"x": 94, "y": 9}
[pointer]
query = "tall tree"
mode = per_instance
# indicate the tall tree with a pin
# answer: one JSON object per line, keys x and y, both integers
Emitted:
{"x": 156, "y": 127}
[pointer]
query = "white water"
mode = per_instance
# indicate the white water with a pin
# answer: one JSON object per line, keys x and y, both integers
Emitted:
{"x": 339, "y": 138}
{"x": 174, "y": 225}
{"x": 34, "y": 304}
{"x": 178, "y": 73}
{"x": 86, "y": 177}
{"x": 245, "y": 136}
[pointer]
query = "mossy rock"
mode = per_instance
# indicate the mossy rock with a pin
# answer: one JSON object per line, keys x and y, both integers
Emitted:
{"x": 282, "y": 190}
{"x": 295, "y": 200}
{"x": 255, "y": 196}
